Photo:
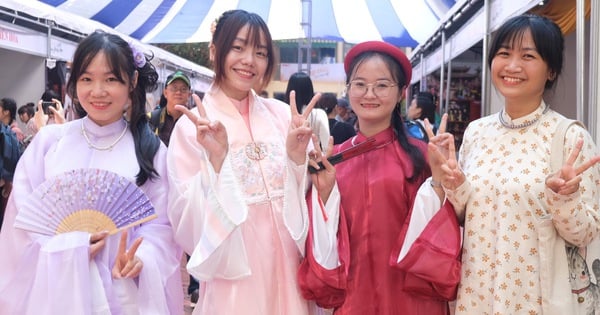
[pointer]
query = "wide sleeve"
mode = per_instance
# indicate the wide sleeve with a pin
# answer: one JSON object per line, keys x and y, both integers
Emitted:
{"x": 428, "y": 247}
{"x": 159, "y": 282}
{"x": 576, "y": 216}
{"x": 323, "y": 272}
{"x": 205, "y": 208}
{"x": 32, "y": 261}
{"x": 295, "y": 212}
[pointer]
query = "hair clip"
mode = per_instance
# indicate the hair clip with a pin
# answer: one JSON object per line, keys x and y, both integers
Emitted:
{"x": 139, "y": 59}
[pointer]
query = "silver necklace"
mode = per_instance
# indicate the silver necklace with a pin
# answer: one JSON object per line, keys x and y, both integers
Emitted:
{"x": 523, "y": 125}
{"x": 108, "y": 147}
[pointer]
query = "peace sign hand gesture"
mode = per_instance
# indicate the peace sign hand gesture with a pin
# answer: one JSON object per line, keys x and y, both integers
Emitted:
{"x": 442, "y": 156}
{"x": 566, "y": 180}
{"x": 211, "y": 135}
{"x": 300, "y": 132}
{"x": 127, "y": 265}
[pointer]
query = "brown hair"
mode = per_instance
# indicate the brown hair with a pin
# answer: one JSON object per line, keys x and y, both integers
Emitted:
{"x": 226, "y": 30}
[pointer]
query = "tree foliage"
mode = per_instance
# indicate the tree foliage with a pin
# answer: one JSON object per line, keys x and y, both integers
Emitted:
{"x": 194, "y": 52}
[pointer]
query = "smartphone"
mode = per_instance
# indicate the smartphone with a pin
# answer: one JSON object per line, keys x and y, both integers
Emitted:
{"x": 45, "y": 106}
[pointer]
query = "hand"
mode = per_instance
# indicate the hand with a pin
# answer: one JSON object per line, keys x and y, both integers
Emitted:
{"x": 40, "y": 118}
{"x": 210, "y": 135}
{"x": 442, "y": 156}
{"x": 300, "y": 131}
{"x": 323, "y": 180}
{"x": 566, "y": 180}
{"x": 58, "y": 111}
{"x": 97, "y": 242}
{"x": 127, "y": 265}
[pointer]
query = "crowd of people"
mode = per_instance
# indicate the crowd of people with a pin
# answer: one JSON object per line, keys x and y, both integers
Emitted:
{"x": 312, "y": 205}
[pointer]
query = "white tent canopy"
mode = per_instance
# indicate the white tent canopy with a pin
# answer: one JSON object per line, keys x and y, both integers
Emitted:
{"x": 44, "y": 13}
{"x": 403, "y": 23}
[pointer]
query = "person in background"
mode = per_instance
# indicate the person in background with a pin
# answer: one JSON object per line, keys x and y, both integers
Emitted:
{"x": 8, "y": 116}
{"x": 503, "y": 187}
{"x": 301, "y": 83}
{"x": 177, "y": 91}
{"x": 136, "y": 272}
{"x": 48, "y": 114}
{"x": 344, "y": 112}
{"x": 422, "y": 107}
{"x": 360, "y": 206}
{"x": 235, "y": 167}
{"x": 340, "y": 131}
{"x": 26, "y": 113}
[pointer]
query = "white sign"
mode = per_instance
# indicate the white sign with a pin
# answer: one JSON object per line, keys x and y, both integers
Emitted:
{"x": 332, "y": 72}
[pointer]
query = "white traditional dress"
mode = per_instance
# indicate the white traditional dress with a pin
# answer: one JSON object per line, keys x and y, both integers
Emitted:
{"x": 54, "y": 275}
{"x": 245, "y": 226}
{"x": 503, "y": 199}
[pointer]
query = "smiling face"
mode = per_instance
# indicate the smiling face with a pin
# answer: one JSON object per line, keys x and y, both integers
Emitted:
{"x": 519, "y": 72}
{"x": 245, "y": 64}
{"x": 103, "y": 96}
{"x": 374, "y": 111}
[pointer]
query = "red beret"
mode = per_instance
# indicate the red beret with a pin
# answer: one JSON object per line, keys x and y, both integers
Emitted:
{"x": 382, "y": 47}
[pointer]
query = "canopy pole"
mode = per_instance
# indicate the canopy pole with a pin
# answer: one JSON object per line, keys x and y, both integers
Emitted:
{"x": 441, "y": 103}
{"x": 594, "y": 83}
{"x": 305, "y": 44}
{"x": 580, "y": 13}
{"x": 486, "y": 106}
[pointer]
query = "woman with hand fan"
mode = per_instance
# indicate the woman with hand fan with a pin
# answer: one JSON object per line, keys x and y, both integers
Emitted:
{"x": 78, "y": 185}
{"x": 236, "y": 165}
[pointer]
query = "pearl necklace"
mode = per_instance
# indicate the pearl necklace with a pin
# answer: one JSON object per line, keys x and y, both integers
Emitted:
{"x": 108, "y": 147}
{"x": 523, "y": 125}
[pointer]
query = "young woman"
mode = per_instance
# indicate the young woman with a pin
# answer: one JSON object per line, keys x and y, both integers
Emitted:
{"x": 360, "y": 207}
{"x": 302, "y": 85}
{"x": 503, "y": 188}
{"x": 234, "y": 167}
{"x": 79, "y": 273}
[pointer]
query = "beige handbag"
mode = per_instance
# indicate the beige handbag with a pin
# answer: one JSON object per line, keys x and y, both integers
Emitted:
{"x": 559, "y": 297}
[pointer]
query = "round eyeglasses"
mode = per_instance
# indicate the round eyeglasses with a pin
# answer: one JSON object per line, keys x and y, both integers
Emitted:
{"x": 359, "y": 88}
{"x": 182, "y": 90}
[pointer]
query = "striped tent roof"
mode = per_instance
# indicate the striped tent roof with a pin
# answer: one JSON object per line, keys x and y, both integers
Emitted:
{"x": 403, "y": 23}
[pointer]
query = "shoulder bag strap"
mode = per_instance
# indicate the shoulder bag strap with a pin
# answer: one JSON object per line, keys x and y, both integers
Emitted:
{"x": 558, "y": 142}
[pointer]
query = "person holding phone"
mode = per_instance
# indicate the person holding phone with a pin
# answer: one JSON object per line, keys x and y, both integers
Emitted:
{"x": 49, "y": 111}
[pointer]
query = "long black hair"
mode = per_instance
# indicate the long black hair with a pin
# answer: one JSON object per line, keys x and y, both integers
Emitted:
{"x": 121, "y": 59}
{"x": 302, "y": 85}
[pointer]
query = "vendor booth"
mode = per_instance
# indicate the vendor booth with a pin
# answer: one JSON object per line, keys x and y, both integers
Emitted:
{"x": 452, "y": 63}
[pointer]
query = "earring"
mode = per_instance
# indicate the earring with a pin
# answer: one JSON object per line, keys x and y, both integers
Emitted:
{"x": 127, "y": 112}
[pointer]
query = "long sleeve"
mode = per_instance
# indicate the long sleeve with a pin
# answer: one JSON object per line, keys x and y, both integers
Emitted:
{"x": 205, "y": 208}
{"x": 429, "y": 247}
{"x": 459, "y": 197}
{"x": 323, "y": 273}
{"x": 576, "y": 216}
{"x": 35, "y": 262}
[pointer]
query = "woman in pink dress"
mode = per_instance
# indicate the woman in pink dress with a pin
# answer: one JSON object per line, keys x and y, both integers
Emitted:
{"x": 236, "y": 168}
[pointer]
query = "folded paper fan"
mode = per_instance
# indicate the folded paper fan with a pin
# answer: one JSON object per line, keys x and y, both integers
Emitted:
{"x": 89, "y": 200}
